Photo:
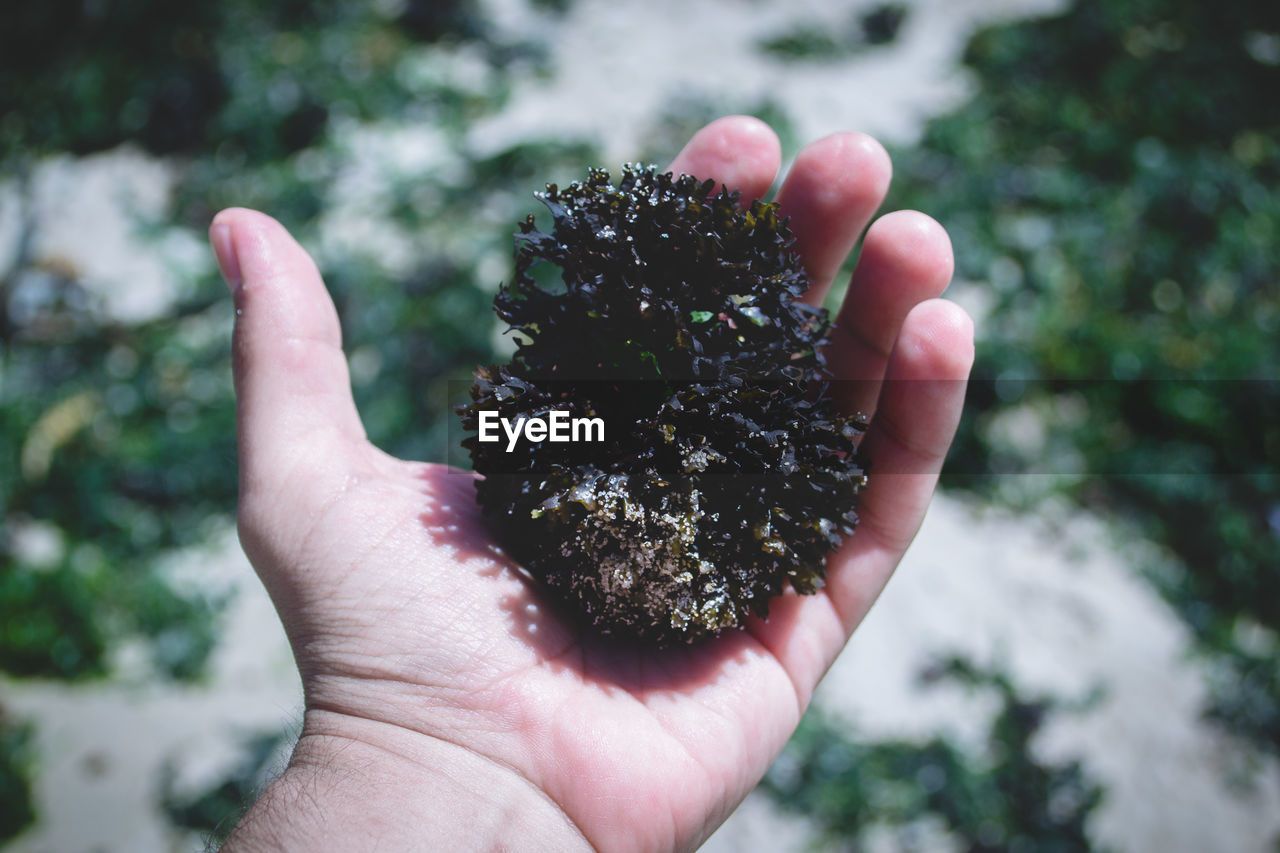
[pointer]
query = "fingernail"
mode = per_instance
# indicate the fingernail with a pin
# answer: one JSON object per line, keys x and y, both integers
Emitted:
{"x": 224, "y": 249}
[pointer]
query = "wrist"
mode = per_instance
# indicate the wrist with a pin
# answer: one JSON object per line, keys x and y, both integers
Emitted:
{"x": 355, "y": 784}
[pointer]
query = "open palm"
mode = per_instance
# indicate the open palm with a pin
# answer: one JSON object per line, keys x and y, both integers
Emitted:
{"x": 445, "y": 697}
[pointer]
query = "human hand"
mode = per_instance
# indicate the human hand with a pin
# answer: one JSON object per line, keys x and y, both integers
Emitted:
{"x": 448, "y": 706}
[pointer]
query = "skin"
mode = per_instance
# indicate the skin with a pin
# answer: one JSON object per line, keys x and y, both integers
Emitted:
{"x": 447, "y": 705}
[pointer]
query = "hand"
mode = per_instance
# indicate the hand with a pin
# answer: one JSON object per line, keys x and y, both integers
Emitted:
{"x": 447, "y": 707}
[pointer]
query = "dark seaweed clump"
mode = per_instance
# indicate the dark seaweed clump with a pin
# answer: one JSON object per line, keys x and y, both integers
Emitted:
{"x": 671, "y": 313}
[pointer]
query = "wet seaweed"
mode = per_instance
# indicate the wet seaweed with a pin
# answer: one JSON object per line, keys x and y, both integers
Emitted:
{"x": 669, "y": 312}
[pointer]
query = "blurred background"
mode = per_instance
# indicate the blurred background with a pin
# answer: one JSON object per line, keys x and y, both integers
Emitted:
{"x": 1080, "y": 651}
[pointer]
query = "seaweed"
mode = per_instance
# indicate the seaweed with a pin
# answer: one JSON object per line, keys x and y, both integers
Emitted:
{"x": 723, "y": 474}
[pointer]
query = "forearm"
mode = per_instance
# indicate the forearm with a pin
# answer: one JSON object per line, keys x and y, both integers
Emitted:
{"x": 353, "y": 785}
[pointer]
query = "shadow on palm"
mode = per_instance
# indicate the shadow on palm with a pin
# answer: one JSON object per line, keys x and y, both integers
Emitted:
{"x": 554, "y": 634}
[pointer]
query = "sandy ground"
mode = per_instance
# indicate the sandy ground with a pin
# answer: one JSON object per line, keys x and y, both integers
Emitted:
{"x": 622, "y": 63}
{"x": 1055, "y": 602}
{"x": 103, "y": 748}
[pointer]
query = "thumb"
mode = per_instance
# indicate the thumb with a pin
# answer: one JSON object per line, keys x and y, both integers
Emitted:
{"x": 293, "y": 392}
